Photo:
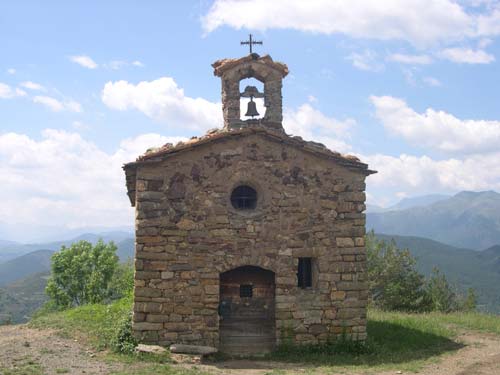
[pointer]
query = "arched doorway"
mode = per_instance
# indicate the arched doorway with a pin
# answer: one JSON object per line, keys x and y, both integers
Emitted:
{"x": 246, "y": 310}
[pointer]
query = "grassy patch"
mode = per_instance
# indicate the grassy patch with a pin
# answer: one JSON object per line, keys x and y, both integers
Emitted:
{"x": 473, "y": 321}
{"x": 157, "y": 369}
{"x": 95, "y": 324}
{"x": 395, "y": 340}
{"x": 25, "y": 366}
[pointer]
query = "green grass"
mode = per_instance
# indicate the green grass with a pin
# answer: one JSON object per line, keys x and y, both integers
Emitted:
{"x": 157, "y": 369}
{"x": 473, "y": 321}
{"x": 396, "y": 341}
{"x": 95, "y": 324}
{"x": 25, "y": 366}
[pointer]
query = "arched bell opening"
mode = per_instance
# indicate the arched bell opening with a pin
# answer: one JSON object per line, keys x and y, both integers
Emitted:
{"x": 246, "y": 311}
{"x": 251, "y": 99}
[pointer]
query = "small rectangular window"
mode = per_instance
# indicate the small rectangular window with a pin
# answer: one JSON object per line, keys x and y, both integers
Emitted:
{"x": 246, "y": 291}
{"x": 304, "y": 274}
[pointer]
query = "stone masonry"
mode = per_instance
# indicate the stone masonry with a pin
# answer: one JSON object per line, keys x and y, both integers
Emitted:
{"x": 310, "y": 203}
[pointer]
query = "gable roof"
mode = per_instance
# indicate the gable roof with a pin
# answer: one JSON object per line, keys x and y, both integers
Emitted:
{"x": 153, "y": 156}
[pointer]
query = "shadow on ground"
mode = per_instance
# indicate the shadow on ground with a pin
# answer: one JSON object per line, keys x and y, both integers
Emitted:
{"x": 388, "y": 344}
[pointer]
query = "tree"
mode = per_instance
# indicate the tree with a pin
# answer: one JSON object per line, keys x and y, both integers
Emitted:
{"x": 81, "y": 273}
{"x": 469, "y": 302}
{"x": 394, "y": 282}
{"x": 441, "y": 296}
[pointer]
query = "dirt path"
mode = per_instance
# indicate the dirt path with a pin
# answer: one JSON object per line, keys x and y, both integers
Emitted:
{"x": 21, "y": 346}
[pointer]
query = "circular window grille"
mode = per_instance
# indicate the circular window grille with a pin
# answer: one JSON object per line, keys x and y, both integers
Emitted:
{"x": 244, "y": 198}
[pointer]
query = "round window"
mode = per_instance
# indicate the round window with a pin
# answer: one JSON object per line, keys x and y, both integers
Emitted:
{"x": 244, "y": 198}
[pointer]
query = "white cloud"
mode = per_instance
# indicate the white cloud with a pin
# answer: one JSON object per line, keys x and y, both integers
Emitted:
{"x": 66, "y": 180}
{"x": 367, "y": 60}
{"x": 7, "y": 92}
{"x": 312, "y": 125}
{"x": 431, "y": 81}
{"x": 417, "y": 175}
{"x": 436, "y": 129}
{"x": 56, "y": 105}
{"x": 32, "y": 86}
{"x": 137, "y": 63}
{"x": 84, "y": 61}
{"x": 420, "y": 22}
{"x": 163, "y": 101}
{"x": 11, "y": 71}
{"x": 410, "y": 59}
{"x": 467, "y": 56}
{"x": 489, "y": 24}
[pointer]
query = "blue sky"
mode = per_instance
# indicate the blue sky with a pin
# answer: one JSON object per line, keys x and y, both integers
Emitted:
{"x": 410, "y": 87}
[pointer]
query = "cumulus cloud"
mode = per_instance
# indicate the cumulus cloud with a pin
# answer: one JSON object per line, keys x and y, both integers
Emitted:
{"x": 11, "y": 71}
{"x": 56, "y": 105}
{"x": 7, "y": 92}
{"x": 467, "y": 56}
{"x": 65, "y": 180}
{"x": 84, "y": 61}
{"x": 419, "y": 22}
{"x": 410, "y": 59}
{"x": 32, "y": 86}
{"x": 436, "y": 129}
{"x": 417, "y": 175}
{"x": 163, "y": 101}
{"x": 366, "y": 60}
{"x": 312, "y": 125}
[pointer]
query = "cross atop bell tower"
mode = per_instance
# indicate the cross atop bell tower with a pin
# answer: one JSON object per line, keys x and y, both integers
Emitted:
{"x": 265, "y": 70}
{"x": 250, "y": 42}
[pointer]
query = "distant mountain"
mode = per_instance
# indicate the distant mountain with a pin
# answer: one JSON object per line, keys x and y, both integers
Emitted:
{"x": 13, "y": 249}
{"x": 467, "y": 219}
{"x": 464, "y": 267}
{"x": 39, "y": 260}
{"x": 25, "y": 265}
{"x": 126, "y": 249}
{"x": 372, "y": 208}
{"x": 423, "y": 200}
{"x": 40, "y": 233}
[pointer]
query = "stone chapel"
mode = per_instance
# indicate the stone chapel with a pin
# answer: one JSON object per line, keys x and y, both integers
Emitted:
{"x": 246, "y": 236}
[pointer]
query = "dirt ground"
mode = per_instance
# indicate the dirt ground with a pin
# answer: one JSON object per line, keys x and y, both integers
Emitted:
{"x": 20, "y": 345}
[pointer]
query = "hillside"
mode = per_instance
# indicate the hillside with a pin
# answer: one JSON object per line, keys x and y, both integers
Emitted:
{"x": 25, "y": 265}
{"x": 467, "y": 219}
{"x": 20, "y": 299}
{"x": 464, "y": 267}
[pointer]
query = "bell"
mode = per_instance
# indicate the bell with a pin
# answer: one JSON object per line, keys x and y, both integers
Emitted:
{"x": 252, "y": 108}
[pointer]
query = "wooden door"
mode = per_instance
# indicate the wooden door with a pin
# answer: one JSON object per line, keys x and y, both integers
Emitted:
{"x": 246, "y": 311}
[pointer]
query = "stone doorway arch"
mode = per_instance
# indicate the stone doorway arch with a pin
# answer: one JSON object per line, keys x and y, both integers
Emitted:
{"x": 247, "y": 311}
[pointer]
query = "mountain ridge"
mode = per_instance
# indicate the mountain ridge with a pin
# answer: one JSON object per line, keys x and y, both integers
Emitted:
{"x": 467, "y": 219}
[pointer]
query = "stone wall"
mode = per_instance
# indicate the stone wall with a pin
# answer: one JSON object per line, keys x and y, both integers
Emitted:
{"x": 188, "y": 233}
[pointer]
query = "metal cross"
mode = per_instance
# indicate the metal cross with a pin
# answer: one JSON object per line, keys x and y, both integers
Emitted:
{"x": 250, "y": 42}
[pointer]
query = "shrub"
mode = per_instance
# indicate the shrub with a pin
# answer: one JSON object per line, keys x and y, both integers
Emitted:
{"x": 123, "y": 341}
